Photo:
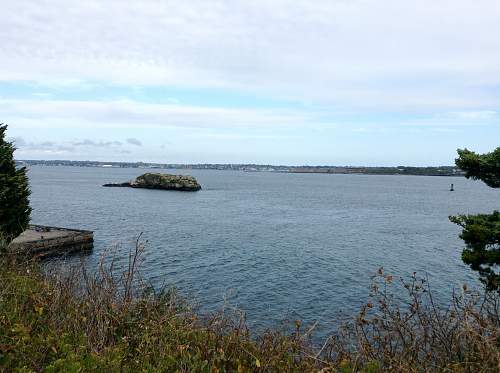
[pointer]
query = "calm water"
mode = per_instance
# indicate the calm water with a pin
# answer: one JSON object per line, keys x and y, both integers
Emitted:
{"x": 276, "y": 245}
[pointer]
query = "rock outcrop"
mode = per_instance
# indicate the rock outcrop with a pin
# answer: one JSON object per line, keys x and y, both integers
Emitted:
{"x": 161, "y": 181}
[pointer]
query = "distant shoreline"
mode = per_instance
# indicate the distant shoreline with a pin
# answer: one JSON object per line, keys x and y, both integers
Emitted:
{"x": 331, "y": 170}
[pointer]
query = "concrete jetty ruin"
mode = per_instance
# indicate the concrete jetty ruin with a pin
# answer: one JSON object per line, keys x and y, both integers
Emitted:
{"x": 42, "y": 241}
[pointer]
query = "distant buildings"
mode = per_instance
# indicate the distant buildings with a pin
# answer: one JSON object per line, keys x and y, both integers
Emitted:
{"x": 399, "y": 170}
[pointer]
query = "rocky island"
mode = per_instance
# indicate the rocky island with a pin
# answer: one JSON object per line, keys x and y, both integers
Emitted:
{"x": 161, "y": 181}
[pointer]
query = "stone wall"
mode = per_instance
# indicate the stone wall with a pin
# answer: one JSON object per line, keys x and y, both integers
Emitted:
{"x": 68, "y": 241}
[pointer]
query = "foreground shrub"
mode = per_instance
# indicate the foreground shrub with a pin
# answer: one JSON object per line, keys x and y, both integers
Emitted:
{"x": 76, "y": 321}
{"x": 111, "y": 320}
{"x": 409, "y": 331}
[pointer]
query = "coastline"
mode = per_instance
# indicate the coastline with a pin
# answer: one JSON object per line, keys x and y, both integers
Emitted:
{"x": 305, "y": 169}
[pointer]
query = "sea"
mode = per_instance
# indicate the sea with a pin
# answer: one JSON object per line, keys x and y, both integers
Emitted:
{"x": 276, "y": 246}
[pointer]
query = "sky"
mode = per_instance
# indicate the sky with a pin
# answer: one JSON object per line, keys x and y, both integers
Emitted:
{"x": 336, "y": 82}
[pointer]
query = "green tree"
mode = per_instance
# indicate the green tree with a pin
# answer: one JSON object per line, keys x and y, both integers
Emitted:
{"x": 14, "y": 192}
{"x": 481, "y": 233}
{"x": 485, "y": 167}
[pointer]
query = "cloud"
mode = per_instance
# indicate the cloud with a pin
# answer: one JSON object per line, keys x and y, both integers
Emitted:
{"x": 474, "y": 115}
{"x": 457, "y": 119}
{"x": 60, "y": 148}
{"x": 99, "y": 144}
{"x": 45, "y": 147}
{"x": 132, "y": 114}
{"x": 385, "y": 54}
{"x": 80, "y": 147}
{"x": 324, "y": 79}
{"x": 18, "y": 141}
{"x": 134, "y": 141}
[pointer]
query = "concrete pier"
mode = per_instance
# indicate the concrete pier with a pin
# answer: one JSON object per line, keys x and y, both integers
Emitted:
{"x": 41, "y": 241}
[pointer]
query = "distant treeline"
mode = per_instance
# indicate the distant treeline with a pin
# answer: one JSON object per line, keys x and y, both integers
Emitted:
{"x": 399, "y": 170}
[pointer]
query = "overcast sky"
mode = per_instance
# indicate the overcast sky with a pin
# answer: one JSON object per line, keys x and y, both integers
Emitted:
{"x": 340, "y": 82}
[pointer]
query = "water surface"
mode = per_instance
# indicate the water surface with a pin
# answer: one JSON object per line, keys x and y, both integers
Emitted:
{"x": 276, "y": 245}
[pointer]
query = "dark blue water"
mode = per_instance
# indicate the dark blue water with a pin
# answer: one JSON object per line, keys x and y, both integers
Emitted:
{"x": 275, "y": 245}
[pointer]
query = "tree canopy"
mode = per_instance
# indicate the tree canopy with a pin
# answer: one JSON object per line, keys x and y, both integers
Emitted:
{"x": 485, "y": 167}
{"x": 14, "y": 191}
{"x": 481, "y": 233}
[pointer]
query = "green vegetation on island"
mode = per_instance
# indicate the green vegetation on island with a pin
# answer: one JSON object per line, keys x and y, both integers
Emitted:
{"x": 161, "y": 181}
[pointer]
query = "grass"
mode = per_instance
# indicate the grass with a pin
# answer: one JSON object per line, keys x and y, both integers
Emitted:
{"x": 110, "y": 320}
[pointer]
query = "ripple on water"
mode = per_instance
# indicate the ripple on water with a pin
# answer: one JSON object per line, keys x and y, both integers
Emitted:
{"x": 276, "y": 245}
